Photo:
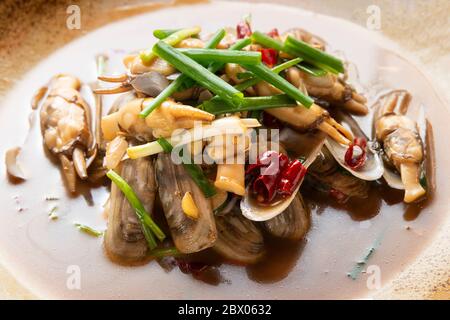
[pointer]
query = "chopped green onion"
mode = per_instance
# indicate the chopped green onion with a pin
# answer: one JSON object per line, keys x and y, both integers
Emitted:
{"x": 88, "y": 230}
{"x": 277, "y": 69}
{"x": 270, "y": 42}
{"x": 193, "y": 170}
{"x": 164, "y": 33}
{"x": 52, "y": 214}
{"x": 167, "y": 147}
{"x": 264, "y": 73}
{"x": 238, "y": 45}
{"x": 244, "y": 75}
{"x": 148, "y": 55}
{"x": 314, "y": 56}
{"x": 224, "y": 56}
{"x": 267, "y": 41}
{"x": 144, "y": 150}
{"x": 134, "y": 201}
{"x": 217, "y": 106}
{"x": 164, "y": 252}
{"x": 198, "y": 73}
{"x": 200, "y": 179}
{"x": 179, "y": 82}
{"x": 286, "y": 65}
{"x": 312, "y": 70}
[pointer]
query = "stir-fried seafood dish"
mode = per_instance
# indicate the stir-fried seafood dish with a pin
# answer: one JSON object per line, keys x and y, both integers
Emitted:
{"x": 213, "y": 138}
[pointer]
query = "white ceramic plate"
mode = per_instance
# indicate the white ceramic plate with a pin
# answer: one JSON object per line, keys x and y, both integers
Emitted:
{"x": 43, "y": 255}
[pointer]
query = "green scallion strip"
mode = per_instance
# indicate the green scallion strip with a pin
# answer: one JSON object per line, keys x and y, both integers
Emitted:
{"x": 199, "y": 73}
{"x": 167, "y": 147}
{"x": 216, "y": 66}
{"x": 200, "y": 179}
{"x": 134, "y": 201}
{"x": 164, "y": 33}
{"x": 217, "y": 106}
{"x": 88, "y": 230}
{"x": 312, "y": 70}
{"x": 164, "y": 252}
{"x": 238, "y": 45}
{"x": 264, "y": 73}
{"x": 193, "y": 170}
{"x": 223, "y": 56}
{"x": 267, "y": 41}
{"x": 314, "y": 56}
{"x": 148, "y": 55}
{"x": 270, "y": 42}
{"x": 179, "y": 82}
{"x": 277, "y": 69}
{"x": 244, "y": 75}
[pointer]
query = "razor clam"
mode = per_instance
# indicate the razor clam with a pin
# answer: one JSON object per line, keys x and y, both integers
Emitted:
{"x": 239, "y": 240}
{"x": 293, "y": 223}
{"x": 325, "y": 174}
{"x": 402, "y": 136}
{"x": 189, "y": 234}
{"x": 65, "y": 119}
{"x": 124, "y": 240}
{"x": 254, "y": 210}
{"x": 373, "y": 167}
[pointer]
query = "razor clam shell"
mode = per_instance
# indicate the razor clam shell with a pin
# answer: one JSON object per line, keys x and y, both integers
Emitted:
{"x": 254, "y": 211}
{"x": 124, "y": 241}
{"x": 392, "y": 177}
{"x": 189, "y": 235}
{"x": 293, "y": 223}
{"x": 373, "y": 168}
{"x": 239, "y": 240}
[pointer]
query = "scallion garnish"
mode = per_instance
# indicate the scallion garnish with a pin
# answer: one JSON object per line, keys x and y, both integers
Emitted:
{"x": 193, "y": 170}
{"x": 238, "y": 45}
{"x": 198, "y": 73}
{"x": 148, "y": 225}
{"x": 277, "y": 69}
{"x": 167, "y": 147}
{"x": 314, "y": 56}
{"x": 270, "y": 42}
{"x": 164, "y": 33}
{"x": 310, "y": 69}
{"x": 223, "y": 56}
{"x": 88, "y": 230}
{"x": 267, "y": 41}
{"x": 264, "y": 73}
{"x": 148, "y": 55}
{"x": 164, "y": 252}
{"x": 217, "y": 106}
{"x": 181, "y": 81}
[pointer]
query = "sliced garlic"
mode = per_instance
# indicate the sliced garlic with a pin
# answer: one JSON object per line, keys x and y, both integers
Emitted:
{"x": 188, "y": 205}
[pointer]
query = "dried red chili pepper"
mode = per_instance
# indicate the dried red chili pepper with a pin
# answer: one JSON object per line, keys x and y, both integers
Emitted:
{"x": 269, "y": 56}
{"x": 356, "y": 162}
{"x": 265, "y": 175}
{"x": 271, "y": 161}
{"x": 273, "y": 33}
{"x": 265, "y": 187}
{"x": 291, "y": 178}
{"x": 243, "y": 29}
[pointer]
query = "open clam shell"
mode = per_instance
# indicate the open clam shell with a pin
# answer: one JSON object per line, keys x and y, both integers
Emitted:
{"x": 254, "y": 211}
{"x": 373, "y": 167}
{"x": 414, "y": 112}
